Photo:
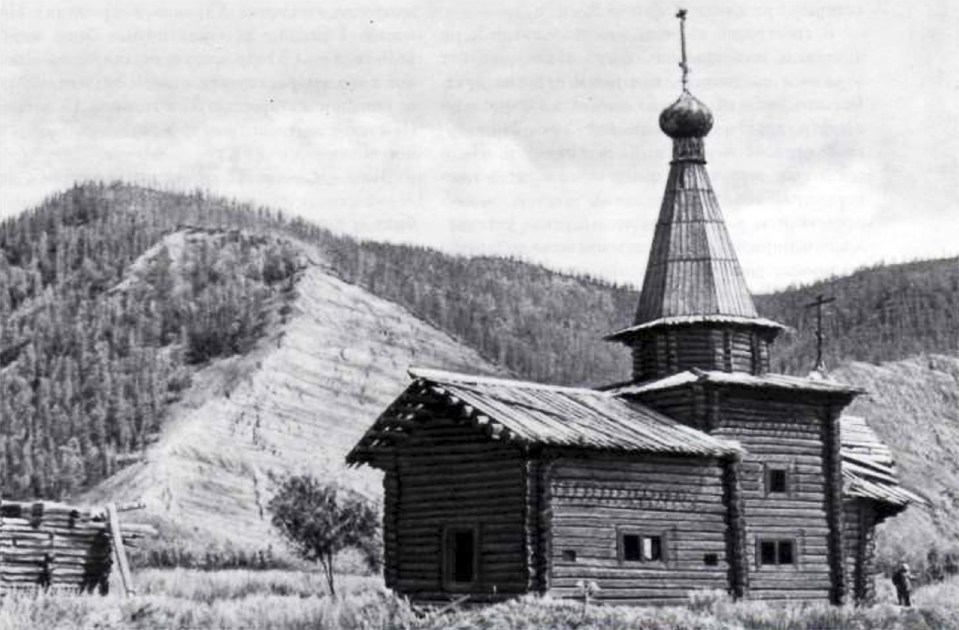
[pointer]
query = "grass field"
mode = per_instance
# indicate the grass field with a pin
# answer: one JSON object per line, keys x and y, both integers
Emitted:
{"x": 291, "y": 600}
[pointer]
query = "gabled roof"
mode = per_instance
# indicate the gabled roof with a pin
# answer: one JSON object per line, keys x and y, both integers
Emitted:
{"x": 868, "y": 468}
{"x": 534, "y": 414}
{"x": 774, "y": 381}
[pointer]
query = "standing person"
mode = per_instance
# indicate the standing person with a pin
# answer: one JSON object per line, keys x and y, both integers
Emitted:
{"x": 902, "y": 580}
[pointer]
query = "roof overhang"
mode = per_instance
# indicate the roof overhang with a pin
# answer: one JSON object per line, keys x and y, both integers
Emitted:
{"x": 868, "y": 469}
{"x": 739, "y": 379}
{"x": 535, "y": 415}
{"x": 688, "y": 320}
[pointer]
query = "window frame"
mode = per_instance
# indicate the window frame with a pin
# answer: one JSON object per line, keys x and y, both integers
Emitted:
{"x": 788, "y": 479}
{"x": 622, "y": 532}
{"x": 777, "y": 542}
{"x": 448, "y": 560}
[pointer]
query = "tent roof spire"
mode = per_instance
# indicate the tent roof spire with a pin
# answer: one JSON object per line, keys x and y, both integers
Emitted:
{"x": 693, "y": 274}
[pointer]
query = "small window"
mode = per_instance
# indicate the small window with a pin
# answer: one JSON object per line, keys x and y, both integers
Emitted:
{"x": 710, "y": 559}
{"x": 785, "y": 555}
{"x": 11, "y": 510}
{"x": 641, "y": 548}
{"x": 461, "y": 555}
{"x": 776, "y": 552}
{"x": 569, "y": 555}
{"x": 767, "y": 552}
{"x": 776, "y": 481}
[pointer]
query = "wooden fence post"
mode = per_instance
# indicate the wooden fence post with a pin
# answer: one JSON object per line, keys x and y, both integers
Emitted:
{"x": 119, "y": 551}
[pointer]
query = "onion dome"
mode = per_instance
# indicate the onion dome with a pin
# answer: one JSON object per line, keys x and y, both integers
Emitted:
{"x": 688, "y": 117}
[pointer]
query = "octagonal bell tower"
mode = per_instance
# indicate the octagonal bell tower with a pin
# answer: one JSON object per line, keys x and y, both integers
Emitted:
{"x": 695, "y": 310}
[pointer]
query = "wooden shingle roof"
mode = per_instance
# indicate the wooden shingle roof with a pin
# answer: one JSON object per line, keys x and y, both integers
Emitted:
{"x": 534, "y": 414}
{"x": 765, "y": 381}
{"x": 683, "y": 320}
{"x": 693, "y": 271}
{"x": 868, "y": 468}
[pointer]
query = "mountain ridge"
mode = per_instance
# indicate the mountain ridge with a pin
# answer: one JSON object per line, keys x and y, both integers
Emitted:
{"x": 290, "y": 404}
{"x": 117, "y": 303}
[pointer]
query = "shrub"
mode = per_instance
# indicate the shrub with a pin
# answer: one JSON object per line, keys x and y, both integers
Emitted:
{"x": 321, "y": 520}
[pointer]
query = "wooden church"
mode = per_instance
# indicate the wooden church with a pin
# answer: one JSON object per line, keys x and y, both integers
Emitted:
{"x": 705, "y": 471}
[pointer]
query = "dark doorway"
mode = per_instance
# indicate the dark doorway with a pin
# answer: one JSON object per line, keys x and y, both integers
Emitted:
{"x": 461, "y": 555}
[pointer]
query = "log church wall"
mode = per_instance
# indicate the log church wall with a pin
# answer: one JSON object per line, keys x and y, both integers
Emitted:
{"x": 595, "y": 502}
{"x": 786, "y": 438}
{"x": 449, "y": 476}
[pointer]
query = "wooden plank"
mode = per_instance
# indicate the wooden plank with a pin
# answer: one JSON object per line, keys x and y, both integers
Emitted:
{"x": 616, "y": 576}
{"x": 119, "y": 551}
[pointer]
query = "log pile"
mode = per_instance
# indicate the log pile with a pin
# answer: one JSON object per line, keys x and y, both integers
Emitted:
{"x": 54, "y": 545}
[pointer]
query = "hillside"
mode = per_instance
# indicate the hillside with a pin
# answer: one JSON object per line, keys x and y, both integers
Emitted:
{"x": 538, "y": 323}
{"x": 881, "y": 313}
{"x": 296, "y": 402}
{"x": 914, "y": 407}
{"x": 178, "y": 347}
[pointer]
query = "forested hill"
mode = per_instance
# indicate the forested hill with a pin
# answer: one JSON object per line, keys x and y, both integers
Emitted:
{"x": 89, "y": 360}
{"x": 882, "y": 313}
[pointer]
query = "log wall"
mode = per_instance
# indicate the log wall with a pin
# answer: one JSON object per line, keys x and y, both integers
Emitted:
{"x": 52, "y": 545}
{"x": 536, "y": 524}
{"x": 663, "y": 351}
{"x": 832, "y": 464}
{"x": 681, "y": 499}
{"x": 735, "y": 527}
{"x": 391, "y": 495}
{"x": 684, "y": 404}
{"x": 860, "y": 549}
{"x": 779, "y": 431}
{"x": 449, "y": 474}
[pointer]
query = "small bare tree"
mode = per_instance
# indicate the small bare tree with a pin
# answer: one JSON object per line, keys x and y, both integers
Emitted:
{"x": 319, "y": 520}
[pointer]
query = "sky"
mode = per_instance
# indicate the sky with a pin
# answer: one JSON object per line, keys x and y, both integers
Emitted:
{"x": 511, "y": 127}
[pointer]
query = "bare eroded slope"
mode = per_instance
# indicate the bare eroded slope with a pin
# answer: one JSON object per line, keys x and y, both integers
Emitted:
{"x": 296, "y": 403}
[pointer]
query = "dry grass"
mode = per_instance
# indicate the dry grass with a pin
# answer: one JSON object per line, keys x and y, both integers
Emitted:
{"x": 293, "y": 600}
{"x": 237, "y": 599}
{"x": 530, "y": 612}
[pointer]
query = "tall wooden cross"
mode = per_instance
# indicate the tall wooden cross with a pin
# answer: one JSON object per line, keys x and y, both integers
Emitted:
{"x": 682, "y": 39}
{"x": 819, "y": 303}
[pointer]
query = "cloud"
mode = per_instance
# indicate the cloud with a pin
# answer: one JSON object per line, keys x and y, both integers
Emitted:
{"x": 377, "y": 177}
{"x": 830, "y": 222}
{"x": 502, "y": 128}
{"x": 369, "y": 175}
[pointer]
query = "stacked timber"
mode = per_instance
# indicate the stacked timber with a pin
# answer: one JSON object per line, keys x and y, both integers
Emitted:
{"x": 51, "y": 544}
{"x": 46, "y": 544}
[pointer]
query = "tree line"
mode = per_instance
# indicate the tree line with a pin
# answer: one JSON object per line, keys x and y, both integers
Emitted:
{"x": 93, "y": 347}
{"x": 102, "y": 321}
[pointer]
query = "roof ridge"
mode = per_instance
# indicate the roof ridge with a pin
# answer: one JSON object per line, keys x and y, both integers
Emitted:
{"x": 733, "y": 378}
{"x": 461, "y": 378}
